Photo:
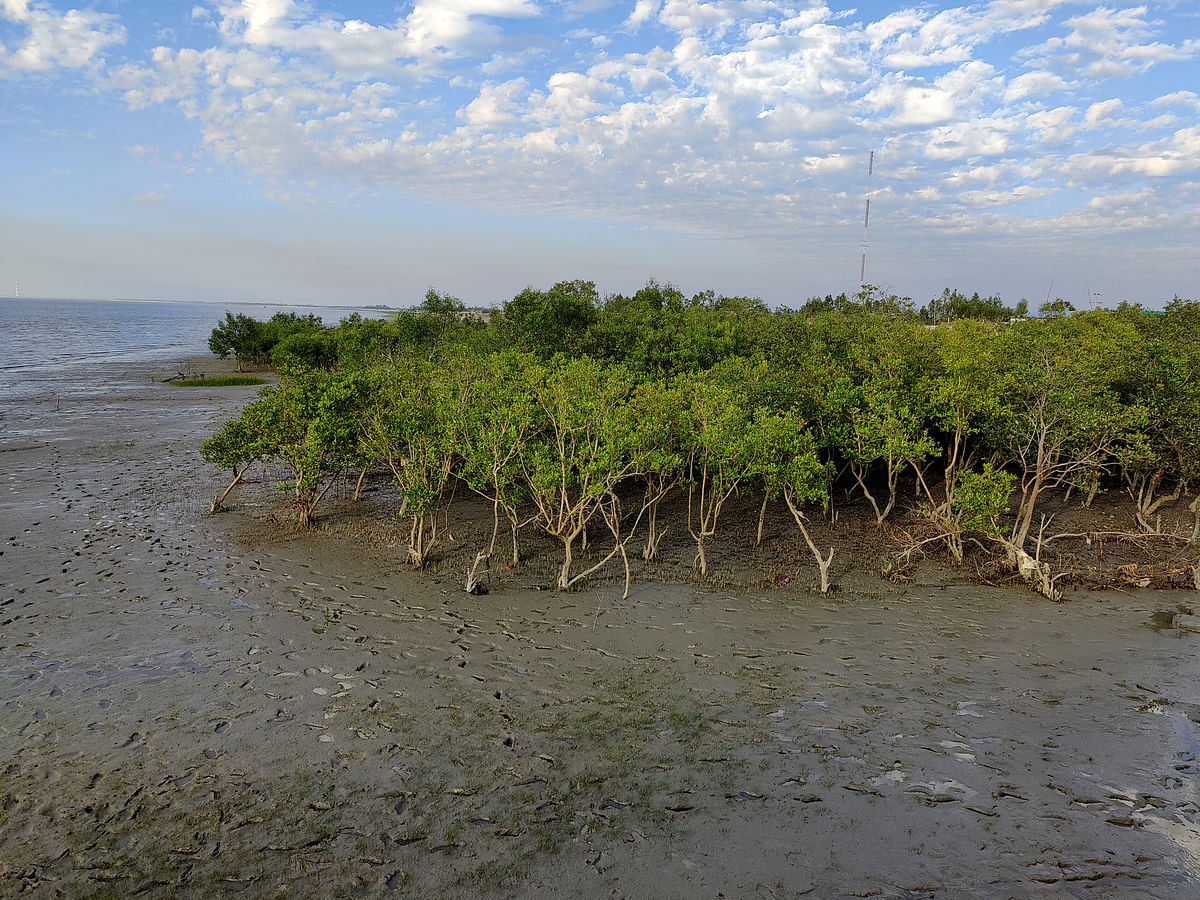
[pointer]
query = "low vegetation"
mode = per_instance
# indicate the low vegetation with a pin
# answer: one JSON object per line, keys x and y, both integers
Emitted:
{"x": 578, "y": 415}
{"x": 220, "y": 381}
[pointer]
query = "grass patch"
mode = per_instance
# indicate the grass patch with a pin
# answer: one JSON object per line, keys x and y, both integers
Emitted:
{"x": 220, "y": 381}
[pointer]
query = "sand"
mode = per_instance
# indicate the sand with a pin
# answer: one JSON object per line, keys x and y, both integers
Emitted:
{"x": 196, "y": 705}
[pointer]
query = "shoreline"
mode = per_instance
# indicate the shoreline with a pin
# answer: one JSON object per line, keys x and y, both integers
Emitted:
{"x": 187, "y": 713}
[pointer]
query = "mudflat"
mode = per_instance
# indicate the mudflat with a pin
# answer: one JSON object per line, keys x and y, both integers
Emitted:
{"x": 195, "y": 705}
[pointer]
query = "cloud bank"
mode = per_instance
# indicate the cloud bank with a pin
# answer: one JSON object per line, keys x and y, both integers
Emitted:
{"x": 733, "y": 118}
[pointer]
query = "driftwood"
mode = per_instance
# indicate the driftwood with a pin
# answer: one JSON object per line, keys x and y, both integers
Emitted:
{"x": 184, "y": 376}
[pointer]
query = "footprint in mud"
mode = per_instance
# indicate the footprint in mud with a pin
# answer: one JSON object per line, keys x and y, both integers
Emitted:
{"x": 1186, "y": 764}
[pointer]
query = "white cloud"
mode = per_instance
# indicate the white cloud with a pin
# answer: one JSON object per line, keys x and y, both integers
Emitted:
{"x": 643, "y": 11}
{"x": 1034, "y": 85}
{"x": 70, "y": 40}
{"x": 1178, "y": 98}
{"x": 451, "y": 24}
{"x": 1019, "y": 194}
{"x": 1053, "y": 126}
{"x": 1099, "y": 111}
{"x": 971, "y": 139}
{"x": 496, "y": 105}
{"x": 1108, "y": 43}
{"x": 912, "y": 38}
{"x": 1176, "y": 155}
{"x": 917, "y": 102}
{"x": 704, "y": 114}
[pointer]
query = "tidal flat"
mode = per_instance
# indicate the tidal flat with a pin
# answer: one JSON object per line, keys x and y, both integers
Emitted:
{"x": 194, "y": 705}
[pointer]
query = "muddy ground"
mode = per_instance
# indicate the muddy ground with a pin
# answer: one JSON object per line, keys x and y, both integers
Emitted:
{"x": 195, "y": 705}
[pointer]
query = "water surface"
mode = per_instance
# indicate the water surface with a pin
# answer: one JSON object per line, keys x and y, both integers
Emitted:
{"x": 62, "y": 346}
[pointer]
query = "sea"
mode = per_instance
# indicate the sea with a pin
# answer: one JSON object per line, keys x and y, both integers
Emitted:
{"x": 72, "y": 342}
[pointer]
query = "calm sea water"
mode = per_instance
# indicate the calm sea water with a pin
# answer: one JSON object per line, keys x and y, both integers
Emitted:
{"x": 70, "y": 341}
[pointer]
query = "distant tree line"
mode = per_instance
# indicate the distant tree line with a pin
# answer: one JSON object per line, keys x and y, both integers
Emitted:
{"x": 568, "y": 412}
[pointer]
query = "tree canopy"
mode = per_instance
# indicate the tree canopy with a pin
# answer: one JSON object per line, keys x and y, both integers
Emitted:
{"x": 579, "y": 414}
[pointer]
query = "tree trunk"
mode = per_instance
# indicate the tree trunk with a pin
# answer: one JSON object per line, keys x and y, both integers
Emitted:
{"x": 1034, "y": 571}
{"x": 564, "y": 574}
{"x": 880, "y": 515}
{"x": 653, "y": 535}
{"x": 416, "y": 543}
{"x": 823, "y": 562}
{"x": 706, "y": 520}
{"x": 495, "y": 526}
{"x": 219, "y": 499}
{"x": 359, "y": 484}
{"x": 474, "y": 583}
{"x": 516, "y": 542}
{"x": 1029, "y": 498}
{"x": 697, "y": 533}
{"x": 422, "y": 538}
{"x": 762, "y": 514}
{"x": 943, "y": 519}
{"x": 566, "y": 581}
{"x": 1152, "y": 506}
{"x": 308, "y": 504}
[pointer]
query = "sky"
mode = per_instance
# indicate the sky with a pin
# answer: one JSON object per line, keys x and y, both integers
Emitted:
{"x": 342, "y": 151}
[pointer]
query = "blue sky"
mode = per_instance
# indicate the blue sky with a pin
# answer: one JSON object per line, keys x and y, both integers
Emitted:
{"x": 356, "y": 152}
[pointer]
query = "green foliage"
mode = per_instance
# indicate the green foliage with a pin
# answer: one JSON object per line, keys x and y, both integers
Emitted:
{"x": 867, "y": 299}
{"x": 1057, "y": 307}
{"x": 408, "y": 427}
{"x": 726, "y": 449}
{"x": 240, "y": 336}
{"x": 1165, "y": 360}
{"x": 408, "y": 430}
{"x": 491, "y": 418}
{"x": 552, "y": 321}
{"x": 1064, "y": 417}
{"x": 789, "y": 464}
{"x": 251, "y": 341}
{"x": 363, "y": 342}
{"x": 953, "y": 304}
{"x": 442, "y": 305}
{"x": 249, "y": 437}
{"x": 982, "y": 497}
{"x": 583, "y": 453}
{"x": 561, "y": 408}
{"x": 306, "y": 349}
{"x": 962, "y": 382}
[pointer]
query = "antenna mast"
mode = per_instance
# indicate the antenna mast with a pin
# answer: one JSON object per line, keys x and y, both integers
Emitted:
{"x": 862, "y": 270}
